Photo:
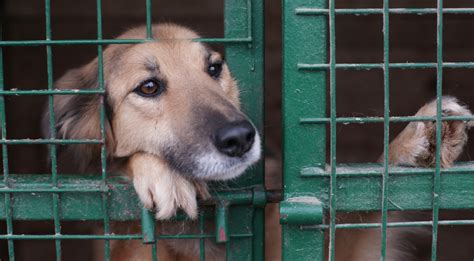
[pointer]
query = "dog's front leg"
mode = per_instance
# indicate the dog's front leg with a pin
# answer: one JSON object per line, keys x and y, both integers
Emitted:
{"x": 415, "y": 146}
{"x": 162, "y": 189}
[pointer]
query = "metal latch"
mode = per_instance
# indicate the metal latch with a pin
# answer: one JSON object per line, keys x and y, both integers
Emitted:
{"x": 301, "y": 211}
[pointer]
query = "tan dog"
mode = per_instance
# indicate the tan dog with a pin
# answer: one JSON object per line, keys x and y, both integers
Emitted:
{"x": 415, "y": 147}
{"x": 173, "y": 120}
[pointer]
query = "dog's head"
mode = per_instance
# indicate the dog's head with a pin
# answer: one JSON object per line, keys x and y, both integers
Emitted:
{"x": 174, "y": 99}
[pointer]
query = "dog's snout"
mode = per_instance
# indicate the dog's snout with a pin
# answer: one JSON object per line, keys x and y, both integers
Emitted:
{"x": 235, "y": 139}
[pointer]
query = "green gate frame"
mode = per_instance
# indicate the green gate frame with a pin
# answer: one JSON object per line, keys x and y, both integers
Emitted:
{"x": 238, "y": 210}
{"x": 313, "y": 192}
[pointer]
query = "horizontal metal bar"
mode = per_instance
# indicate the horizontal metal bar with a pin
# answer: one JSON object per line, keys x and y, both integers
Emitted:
{"x": 81, "y": 197}
{"x": 408, "y": 188}
{"x": 395, "y": 224}
{"x": 370, "y": 66}
{"x": 361, "y": 120}
{"x": 111, "y": 236}
{"x": 272, "y": 196}
{"x": 84, "y": 189}
{"x": 17, "y": 92}
{"x": 49, "y": 141}
{"x": 355, "y": 170}
{"x": 117, "y": 41}
{"x": 370, "y": 11}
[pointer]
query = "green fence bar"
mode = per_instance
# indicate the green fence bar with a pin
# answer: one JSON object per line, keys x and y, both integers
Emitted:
{"x": 386, "y": 128}
{"x": 202, "y": 241}
{"x": 149, "y": 29}
{"x": 304, "y": 96}
{"x": 381, "y": 11}
{"x": 6, "y": 177}
{"x": 52, "y": 131}
{"x": 103, "y": 151}
{"x": 237, "y": 40}
{"x": 17, "y": 92}
{"x": 81, "y": 197}
{"x": 439, "y": 94}
{"x": 222, "y": 213}
{"x": 332, "y": 130}
{"x": 361, "y": 120}
{"x": 370, "y": 66}
{"x": 245, "y": 19}
{"x": 148, "y": 226}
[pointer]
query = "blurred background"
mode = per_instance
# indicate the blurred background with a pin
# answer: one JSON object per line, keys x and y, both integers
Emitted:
{"x": 359, "y": 93}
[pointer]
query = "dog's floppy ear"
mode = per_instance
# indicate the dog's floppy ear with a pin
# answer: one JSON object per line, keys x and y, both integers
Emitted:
{"x": 78, "y": 116}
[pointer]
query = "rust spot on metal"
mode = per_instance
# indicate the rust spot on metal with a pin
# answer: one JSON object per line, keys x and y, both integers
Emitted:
{"x": 222, "y": 234}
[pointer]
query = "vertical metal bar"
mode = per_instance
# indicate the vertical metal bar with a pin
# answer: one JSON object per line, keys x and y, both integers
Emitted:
{"x": 9, "y": 214}
{"x": 333, "y": 125}
{"x": 202, "y": 240}
{"x": 148, "y": 226}
{"x": 6, "y": 180}
{"x": 439, "y": 94}
{"x": 249, "y": 19}
{"x": 258, "y": 249}
{"x": 303, "y": 95}
{"x": 222, "y": 215}
{"x": 255, "y": 19}
{"x": 103, "y": 152}
{"x": 101, "y": 87}
{"x": 52, "y": 130}
{"x": 386, "y": 127}
{"x": 228, "y": 251}
{"x": 149, "y": 29}
{"x": 242, "y": 19}
{"x": 154, "y": 251}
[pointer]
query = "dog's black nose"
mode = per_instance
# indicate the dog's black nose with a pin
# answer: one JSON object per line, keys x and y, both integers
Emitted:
{"x": 235, "y": 138}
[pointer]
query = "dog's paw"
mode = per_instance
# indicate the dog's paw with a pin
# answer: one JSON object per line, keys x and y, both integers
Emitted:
{"x": 416, "y": 145}
{"x": 161, "y": 189}
{"x": 454, "y": 133}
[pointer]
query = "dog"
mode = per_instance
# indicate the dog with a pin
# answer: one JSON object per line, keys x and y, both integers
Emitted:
{"x": 173, "y": 122}
{"x": 414, "y": 147}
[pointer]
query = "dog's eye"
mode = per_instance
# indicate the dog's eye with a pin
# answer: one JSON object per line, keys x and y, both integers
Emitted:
{"x": 149, "y": 88}
{"x": 215, "y": 70}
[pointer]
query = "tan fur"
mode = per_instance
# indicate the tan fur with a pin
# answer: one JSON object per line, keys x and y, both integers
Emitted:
{"x": 169, "y": 191}
{"x": 164, "y": 144}
{"x": 414, "y": 146}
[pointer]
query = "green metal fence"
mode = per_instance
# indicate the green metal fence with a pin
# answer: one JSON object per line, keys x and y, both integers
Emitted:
{"x": 106, "y": 198}
{"x": 313, "y": 193}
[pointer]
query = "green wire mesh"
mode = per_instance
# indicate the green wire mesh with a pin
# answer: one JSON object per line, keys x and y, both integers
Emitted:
{"x": 309, "y": 52}
{"x": 60, "y": 198}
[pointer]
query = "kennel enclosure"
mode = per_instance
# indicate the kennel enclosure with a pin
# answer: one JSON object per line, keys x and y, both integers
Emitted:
{"x": 316, "y": 187}
{"x": 104, "y": 197}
